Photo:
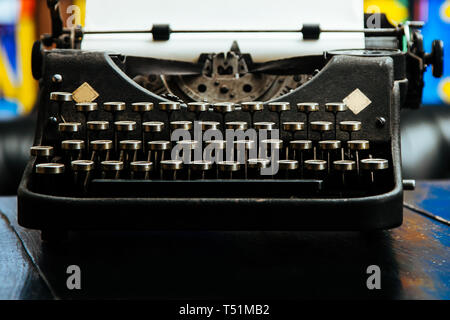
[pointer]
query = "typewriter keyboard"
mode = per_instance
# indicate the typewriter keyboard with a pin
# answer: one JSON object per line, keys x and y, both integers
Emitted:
{"x": 199, "y": 149}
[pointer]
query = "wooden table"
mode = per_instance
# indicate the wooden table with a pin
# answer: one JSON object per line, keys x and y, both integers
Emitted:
{"x": 414, "y": 260}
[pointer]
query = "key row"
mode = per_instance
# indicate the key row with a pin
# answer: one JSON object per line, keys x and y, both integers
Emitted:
{"x": 158, "y": 126}
{"x": 54, "y": 179}
{"x": 199, "y": 107}
{"x": 123, "y": 129}
{"x": 83, "y": 170}
{"x": 296, "y": 149}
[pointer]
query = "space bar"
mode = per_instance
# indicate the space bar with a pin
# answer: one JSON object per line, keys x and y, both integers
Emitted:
{"x": 204, "y": 188}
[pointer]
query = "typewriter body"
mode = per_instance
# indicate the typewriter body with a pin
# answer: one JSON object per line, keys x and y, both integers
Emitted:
{"x": 108, "y": 124}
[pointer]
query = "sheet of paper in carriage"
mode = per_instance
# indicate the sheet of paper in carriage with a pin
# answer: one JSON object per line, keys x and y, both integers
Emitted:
{"x": 230, "y": 14}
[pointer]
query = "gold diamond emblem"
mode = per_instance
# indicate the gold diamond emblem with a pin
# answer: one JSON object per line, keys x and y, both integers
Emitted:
{"x": 357, "y": 101}
{"x": 84, "y": 93}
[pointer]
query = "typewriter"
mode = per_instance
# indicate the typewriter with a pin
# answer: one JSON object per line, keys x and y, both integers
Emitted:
{"x": 225, "y": 143}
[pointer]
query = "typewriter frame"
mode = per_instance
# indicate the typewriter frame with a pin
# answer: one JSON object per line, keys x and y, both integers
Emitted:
{"x": 375, "y": 76}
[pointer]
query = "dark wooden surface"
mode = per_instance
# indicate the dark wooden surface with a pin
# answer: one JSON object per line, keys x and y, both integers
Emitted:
{"x": 414, "y": 260}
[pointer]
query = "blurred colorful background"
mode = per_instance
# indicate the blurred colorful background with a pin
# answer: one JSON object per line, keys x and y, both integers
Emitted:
{"x": 22, "y": 21}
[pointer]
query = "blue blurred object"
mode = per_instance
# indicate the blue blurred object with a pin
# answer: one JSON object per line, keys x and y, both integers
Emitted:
{"x": 9, "y": 16}
{"x": 8, "y": 109}
{"x": 437, "y": 26}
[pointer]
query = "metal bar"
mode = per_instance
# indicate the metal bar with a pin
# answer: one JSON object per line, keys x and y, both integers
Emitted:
{"x": 382, "y": 30}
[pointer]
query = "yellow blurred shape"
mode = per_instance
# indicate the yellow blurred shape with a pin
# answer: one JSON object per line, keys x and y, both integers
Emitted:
{"x": 82, "y": 5}
{"x": 23, "y": 88}
{"x": 444, "y": 90}
{"x": 395, "y": 11}
{"x": 445, "y": 11}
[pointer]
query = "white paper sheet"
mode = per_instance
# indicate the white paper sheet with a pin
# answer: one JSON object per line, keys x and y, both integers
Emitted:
{"x": 223, "y": 14}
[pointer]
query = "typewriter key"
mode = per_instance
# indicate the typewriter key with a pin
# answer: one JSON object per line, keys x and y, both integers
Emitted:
{"x": 266, "y": 127}
{"x": 72, "y": 145}
{"x": 242, "y": 147}
{"x": 169, "y": 107}
{"x": 151, "y": 127}
{"x": 188, "y": 147}
{"x": 373, "y": 165}
{"x": 270, "y": 146}
{"x": 335, "y": 107}
{"x": 349, "y": 127}
{"x": 198, "y": 108}
{"x": 345, "y": 167}
{"x": 114, "y": 108}
{"x": 42, "y": 153}
{"x": 81, "y": 174}
{"x": 98, "y": 125}
{"x": 279, "y": 107}
{"x": 169, "y": 169}
{"x": 214, "y": 151}
{"x": 199, "y": 169}
{"x": 50, "y": 178}
{"x": 301, "y": 150}
{"x": 251, "y": 108}
{"x": 101, "y": 145}
{"x": 82, "y": 165}
{"x": 129, "y": 151}
{"x": 223, "y": 108}
{"x": 292, "y": 127}
{"x": 159, "y": 145}
{"x": 321, "y": 127}
{"x": 287, "y": 169}
{"x": 316, "y": 169}
{"x": 141, "y": 169}
{"x": 157, "y": 152}
{"x": 67, "y": 130}
{"x": 332, "y": 149}
{"x": 237, "y": 125}
{"x": 209, "y": 125}
{"x": 227, "y": 168}
{"x": 69, "y": 127}
{"x": 73, "y": 150}
{"x": 60, "y": 98}
{"x": 356, "y": 146}
{"x": 183, "y": 125}
{"x": 111, "y": 169}
{"x": 50, "y": 168}
{"x": 307, "y": 108}
{"x": 255, "y": 166}
{"x": 85, "y": 108}
{"x": 123, "y": 127}
{"x": 142, "y": 108}
{"x": 101, "y": 150}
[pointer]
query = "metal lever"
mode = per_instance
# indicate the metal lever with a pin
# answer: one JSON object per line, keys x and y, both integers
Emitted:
{"x": 409, "y": 184}
{"x": 57, "y": 23}
{"x": 162, "y": 32}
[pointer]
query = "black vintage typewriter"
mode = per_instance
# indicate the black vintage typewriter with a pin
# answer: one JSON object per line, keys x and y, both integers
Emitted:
{"x": 304, "y": 143}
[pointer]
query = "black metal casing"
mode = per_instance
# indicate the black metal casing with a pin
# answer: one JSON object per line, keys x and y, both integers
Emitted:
{"x": 374, "y": 76}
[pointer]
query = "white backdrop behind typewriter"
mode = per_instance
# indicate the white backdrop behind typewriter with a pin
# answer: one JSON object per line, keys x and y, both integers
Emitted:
{"x": 223, "y": 14}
